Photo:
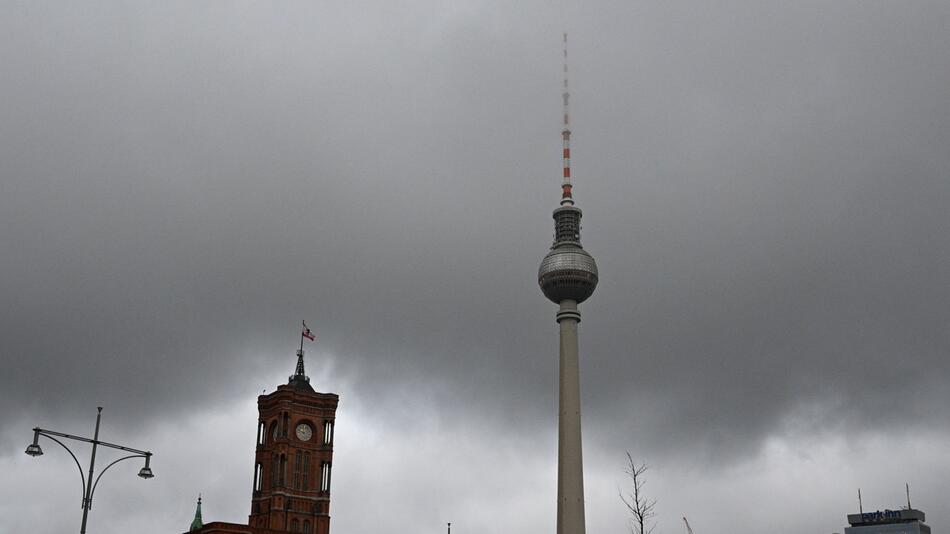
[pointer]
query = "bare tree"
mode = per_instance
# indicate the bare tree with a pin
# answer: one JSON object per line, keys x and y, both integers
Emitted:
{"x": 639, "y": 506}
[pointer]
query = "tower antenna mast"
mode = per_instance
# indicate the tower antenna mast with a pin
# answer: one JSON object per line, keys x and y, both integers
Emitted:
{"x": 566, "y": 197}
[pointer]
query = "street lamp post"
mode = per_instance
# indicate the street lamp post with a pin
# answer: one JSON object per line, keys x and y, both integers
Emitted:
{"x": 88, "y": 485}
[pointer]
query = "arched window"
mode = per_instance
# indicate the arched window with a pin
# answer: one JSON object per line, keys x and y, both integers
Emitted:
{"x": 306, "y": 527}
{"x": 328, "y": 432}
{"x": 285, "y": 426}
{"x": 258, "y": 477}
{"x": 295, "y": 525}
{"x": 325, "y": 477}
{"x": 261, "y": 433}
{"x": 275, "y": 471}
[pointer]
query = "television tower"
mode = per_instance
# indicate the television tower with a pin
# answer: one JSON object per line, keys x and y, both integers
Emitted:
{"x": 568, "y": 276}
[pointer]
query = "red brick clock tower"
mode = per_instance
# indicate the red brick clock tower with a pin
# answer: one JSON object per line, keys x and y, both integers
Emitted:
{"x": 294, "y": 458}
{"x": 292, "y": 463}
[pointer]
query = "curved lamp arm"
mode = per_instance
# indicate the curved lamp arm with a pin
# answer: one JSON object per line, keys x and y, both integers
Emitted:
{"x": 81, "y": 475}
{"x": 96, "y": 483}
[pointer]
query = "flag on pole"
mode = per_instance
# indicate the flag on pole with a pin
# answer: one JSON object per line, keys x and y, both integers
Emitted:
{"x": 307, "y": 333}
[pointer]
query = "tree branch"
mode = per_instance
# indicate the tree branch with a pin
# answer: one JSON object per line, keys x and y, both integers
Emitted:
{"x": 638, "y": 505}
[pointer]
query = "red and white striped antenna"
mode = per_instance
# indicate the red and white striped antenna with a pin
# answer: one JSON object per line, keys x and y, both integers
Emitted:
{"x": 566, "y": 198}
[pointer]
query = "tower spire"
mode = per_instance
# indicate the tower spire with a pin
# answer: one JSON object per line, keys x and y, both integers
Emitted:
{"x": 566, "y": 198}
{"x": 299, "y": 372}
{"x": 299, "y": 378}
{"x": 197, "y": 523}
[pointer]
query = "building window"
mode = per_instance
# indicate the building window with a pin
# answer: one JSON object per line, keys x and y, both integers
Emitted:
{"x": 282, "y": 475}
{"x": 305, "y": 472}
{"x": 306, "y": 527}
{"x": 261, "y": 433}
{"x": 285, "y": 426}
{"x": 328, "y": 432}
{"x": 258, "y": 477}
{"x": 275, "y": 470}
{"x": 298, "y": 463}
{"x": 295, "y": 525}
{"x": 325, "y": 477}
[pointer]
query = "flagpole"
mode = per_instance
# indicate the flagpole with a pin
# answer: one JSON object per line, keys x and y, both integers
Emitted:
{"x": 301, "y": 335}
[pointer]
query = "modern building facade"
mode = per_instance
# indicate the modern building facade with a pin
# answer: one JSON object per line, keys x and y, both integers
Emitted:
{"x": 906, "y": 521}
{"x": 568, "y": 276}
{"x": 292, "y": 464}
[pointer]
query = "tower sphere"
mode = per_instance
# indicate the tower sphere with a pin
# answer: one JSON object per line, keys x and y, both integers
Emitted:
{"x": 567, "y": 272}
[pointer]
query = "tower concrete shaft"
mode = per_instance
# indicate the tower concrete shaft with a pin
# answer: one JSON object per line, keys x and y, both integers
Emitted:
{"x": 570, "y": 462}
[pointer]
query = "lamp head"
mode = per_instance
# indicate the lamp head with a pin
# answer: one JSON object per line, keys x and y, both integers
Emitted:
{"x": 34, "y": 449}
{"x": 146, "y": 472}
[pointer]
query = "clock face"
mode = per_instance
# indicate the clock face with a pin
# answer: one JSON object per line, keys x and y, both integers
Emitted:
{"x": 304, "y": 432}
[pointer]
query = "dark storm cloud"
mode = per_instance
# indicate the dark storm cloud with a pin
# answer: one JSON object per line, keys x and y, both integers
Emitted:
{"x": 784, "y": 224}
{"x": 193, "y": 200}
{"x": 764, "y": 185}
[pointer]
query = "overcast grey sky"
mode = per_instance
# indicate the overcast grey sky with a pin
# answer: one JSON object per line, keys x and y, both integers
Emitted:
{"x": 765, "y": 189}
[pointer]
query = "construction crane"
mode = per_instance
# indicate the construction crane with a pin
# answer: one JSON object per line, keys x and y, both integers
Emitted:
{"x": 688, "y": 529}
